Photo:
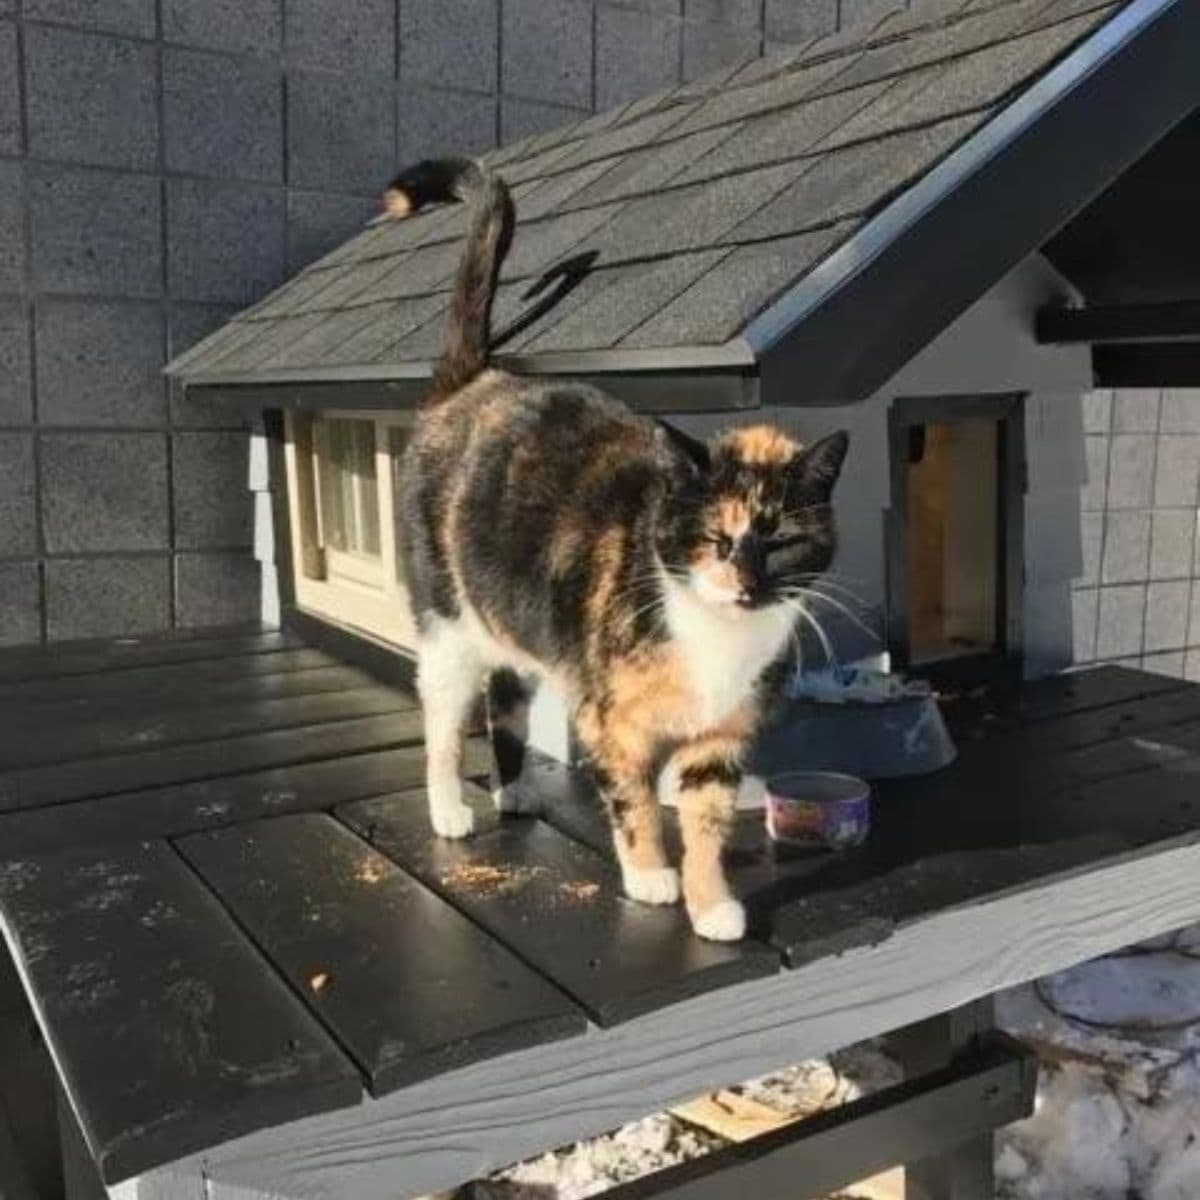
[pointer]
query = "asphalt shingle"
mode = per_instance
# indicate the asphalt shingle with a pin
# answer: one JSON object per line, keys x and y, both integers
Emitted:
{"x": 689, "y": 210}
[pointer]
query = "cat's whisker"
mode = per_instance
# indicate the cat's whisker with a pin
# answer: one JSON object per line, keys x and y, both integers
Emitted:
{"x": 874, "y": 634}
{"x": 817, "y": 628}
{"x": 813, "y": 582}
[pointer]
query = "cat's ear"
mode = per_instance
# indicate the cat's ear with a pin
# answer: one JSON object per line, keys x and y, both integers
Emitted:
{"x": 819, "y": 465}
{"x": 694, "y": 450}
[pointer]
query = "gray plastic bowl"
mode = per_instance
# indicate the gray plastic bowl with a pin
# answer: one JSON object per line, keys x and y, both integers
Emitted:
{"x": 872, "y": 741}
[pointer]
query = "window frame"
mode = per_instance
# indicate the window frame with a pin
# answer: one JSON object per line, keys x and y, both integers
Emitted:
{"x": 353, "y": 590}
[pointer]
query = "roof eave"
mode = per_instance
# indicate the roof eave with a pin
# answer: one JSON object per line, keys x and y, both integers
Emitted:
{"x": 884, "y": 294}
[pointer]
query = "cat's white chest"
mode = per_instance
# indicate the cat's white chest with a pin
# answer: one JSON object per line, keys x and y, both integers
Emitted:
{"x": 724, "y": 654}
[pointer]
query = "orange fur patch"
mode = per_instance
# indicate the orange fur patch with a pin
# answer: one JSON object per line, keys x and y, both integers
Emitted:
{"x": 397, "y": 202}
{"x": 760, "y": 445}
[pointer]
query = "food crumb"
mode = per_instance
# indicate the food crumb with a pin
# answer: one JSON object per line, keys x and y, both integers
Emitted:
{"x": 485, "y": 879}
{"x": 579, "y": 889}
{"x": 319, "y": 981}
{"x": 369, "y": 872}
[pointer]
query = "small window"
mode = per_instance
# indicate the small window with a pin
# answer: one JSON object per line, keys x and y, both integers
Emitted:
{"x": 340, "y": 480}
{"x": 348, "y": 485}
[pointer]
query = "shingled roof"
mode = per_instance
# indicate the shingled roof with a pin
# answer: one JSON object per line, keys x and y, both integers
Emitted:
{"x": 702, "y": 226}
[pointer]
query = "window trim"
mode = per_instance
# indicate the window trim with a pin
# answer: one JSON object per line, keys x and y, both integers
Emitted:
{"x": 349, "y": 589}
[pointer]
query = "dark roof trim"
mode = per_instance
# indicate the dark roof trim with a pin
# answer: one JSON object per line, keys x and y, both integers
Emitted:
{"x": 1120, "y": 323}
{"x": 734, "y": 355}
{"x": 661, "y": 391}
{"x": 879, "y": 298}
{"x": 1147, "y": 364}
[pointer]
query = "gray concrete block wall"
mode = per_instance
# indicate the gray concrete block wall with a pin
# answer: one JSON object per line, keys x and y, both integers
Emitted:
{"x": 165, "y": 162}
{"x": 1137, "y": 600}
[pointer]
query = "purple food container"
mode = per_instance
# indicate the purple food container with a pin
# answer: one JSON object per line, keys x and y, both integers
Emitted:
{"x": 818, "y": 808}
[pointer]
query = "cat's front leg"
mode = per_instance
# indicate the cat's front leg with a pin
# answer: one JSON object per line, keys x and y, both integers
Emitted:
{"x": 708, "y": 772}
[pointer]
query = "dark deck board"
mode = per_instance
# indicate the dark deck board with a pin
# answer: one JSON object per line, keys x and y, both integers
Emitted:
{"x": 29, "y": 787}
{"x": 212, "y": 803}
{"x": 116, "y": 656}
{"x": 315, "y": 680}
{"x": 170, "y": 1032}
{"x": 179, "y": 679}
{"x": 45, "y": 741}
{"x": 560, "y": 906}
{"x": 413, "y": 987}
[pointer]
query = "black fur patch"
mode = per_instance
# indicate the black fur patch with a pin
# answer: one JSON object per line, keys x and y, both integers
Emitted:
{"x": 719, "y": 770}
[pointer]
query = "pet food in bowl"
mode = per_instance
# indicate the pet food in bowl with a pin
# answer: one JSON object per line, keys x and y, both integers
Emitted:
{"x": 818, "y": 808}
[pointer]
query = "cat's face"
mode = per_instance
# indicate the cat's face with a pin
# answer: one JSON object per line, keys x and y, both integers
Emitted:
{"x": 757, "y": 522}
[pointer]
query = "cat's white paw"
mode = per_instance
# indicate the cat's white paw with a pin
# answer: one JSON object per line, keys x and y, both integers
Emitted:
{"x": 724, "y": 921}
{"x": 455, "y": 820}
{"x": 517, "y": 797}
{"x": 652, "y": 885}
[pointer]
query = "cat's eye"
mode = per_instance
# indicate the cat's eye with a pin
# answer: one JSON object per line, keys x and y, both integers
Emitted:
{"x": 723, "y": 544}
{"x": 765, "y": 524}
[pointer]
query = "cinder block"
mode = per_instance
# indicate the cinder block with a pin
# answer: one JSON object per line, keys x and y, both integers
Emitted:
{"x": 1180, "y": 411}
{"x": 239, "y": 25}
{"x": 1095, "y": 488}
{"x": 434, "y": 122}
{"x": 636, "y": 53}
{"x": 91, "y": 99}
{"x": 18, "y": 519}
{"x": 318, "y": 221}
{"x": 708, "y": 47}
{"x": 20, "y": 604}
{"x": 1193, "y": 633}
{"x": 1119, "y": 625}
{"x": 725, "y": 12}
{"x": 1170, "y": 664}
{"x": 1126, "y": 547}
{"x": 1135, "y": 410}
{"x": 16, "y": 406}
{"x": 1191, "y": 666}
{"x": 1083, "y": 623}
{"x": 350, "y": 35}
{"x": 451, "y": 43}
{"x": 225, "y": 241}
{"x": 521, "y": 118}
{"x": 1131, "y": 470}
{"x": 788, "y": 21}
{"x": 1091, "y": 537}
{"x": 10, "y": 91}
{"x": 12, "y": 228}
{"x": 216, "y": 589}
{"x": 186, "y": 325}
{"x": 222, "y": 116}
{"x": 104, "y": 491}
{"x": 213, "y": 508}
{"x": 1177, "y": 474}
{"x": 107, "y": 597}
{"x": 1171, "y": 539}
{"x": 96, "y": 232}
{"x": 1097, "y": 410}
{"x": 547, "y": 51}
{"x": 100, "y": 363}
{"x": 134, "y": 17}
{"x": 1167, "y": 606}
{"x": 341, "y": 133}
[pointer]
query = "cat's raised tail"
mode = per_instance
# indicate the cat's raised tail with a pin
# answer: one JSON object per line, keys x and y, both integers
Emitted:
{"x": 468, "y": 329}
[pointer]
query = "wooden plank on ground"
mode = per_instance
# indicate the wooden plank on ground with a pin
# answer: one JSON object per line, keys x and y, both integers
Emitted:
{"x": 179, "y": 679}
{"x": 124, "y": 653}
{"x": 30, "y": 787}
{"x": 63, "y": 741}
{"x": 559, "y": 906}
{"x": 1014, "y": 703}
{"x": 211, "y": 803}
{"x": 315, "y": 680}
{"x": 168, "y": 1029}
{"x": 406, "y": 984}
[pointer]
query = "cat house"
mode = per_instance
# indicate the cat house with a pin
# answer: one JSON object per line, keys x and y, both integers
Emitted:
{"x": 938, "y": 231}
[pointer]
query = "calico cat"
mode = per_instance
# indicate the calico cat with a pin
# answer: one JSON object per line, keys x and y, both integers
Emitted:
{"x": 547, "y": 529}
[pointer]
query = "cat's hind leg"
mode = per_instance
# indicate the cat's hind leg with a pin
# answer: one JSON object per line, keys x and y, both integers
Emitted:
{"x": 450, "y": 678}
{"x": 508, "y": 723}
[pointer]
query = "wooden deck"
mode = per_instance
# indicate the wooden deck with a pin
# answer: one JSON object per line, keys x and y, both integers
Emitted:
{"x": 220, "y": 891}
